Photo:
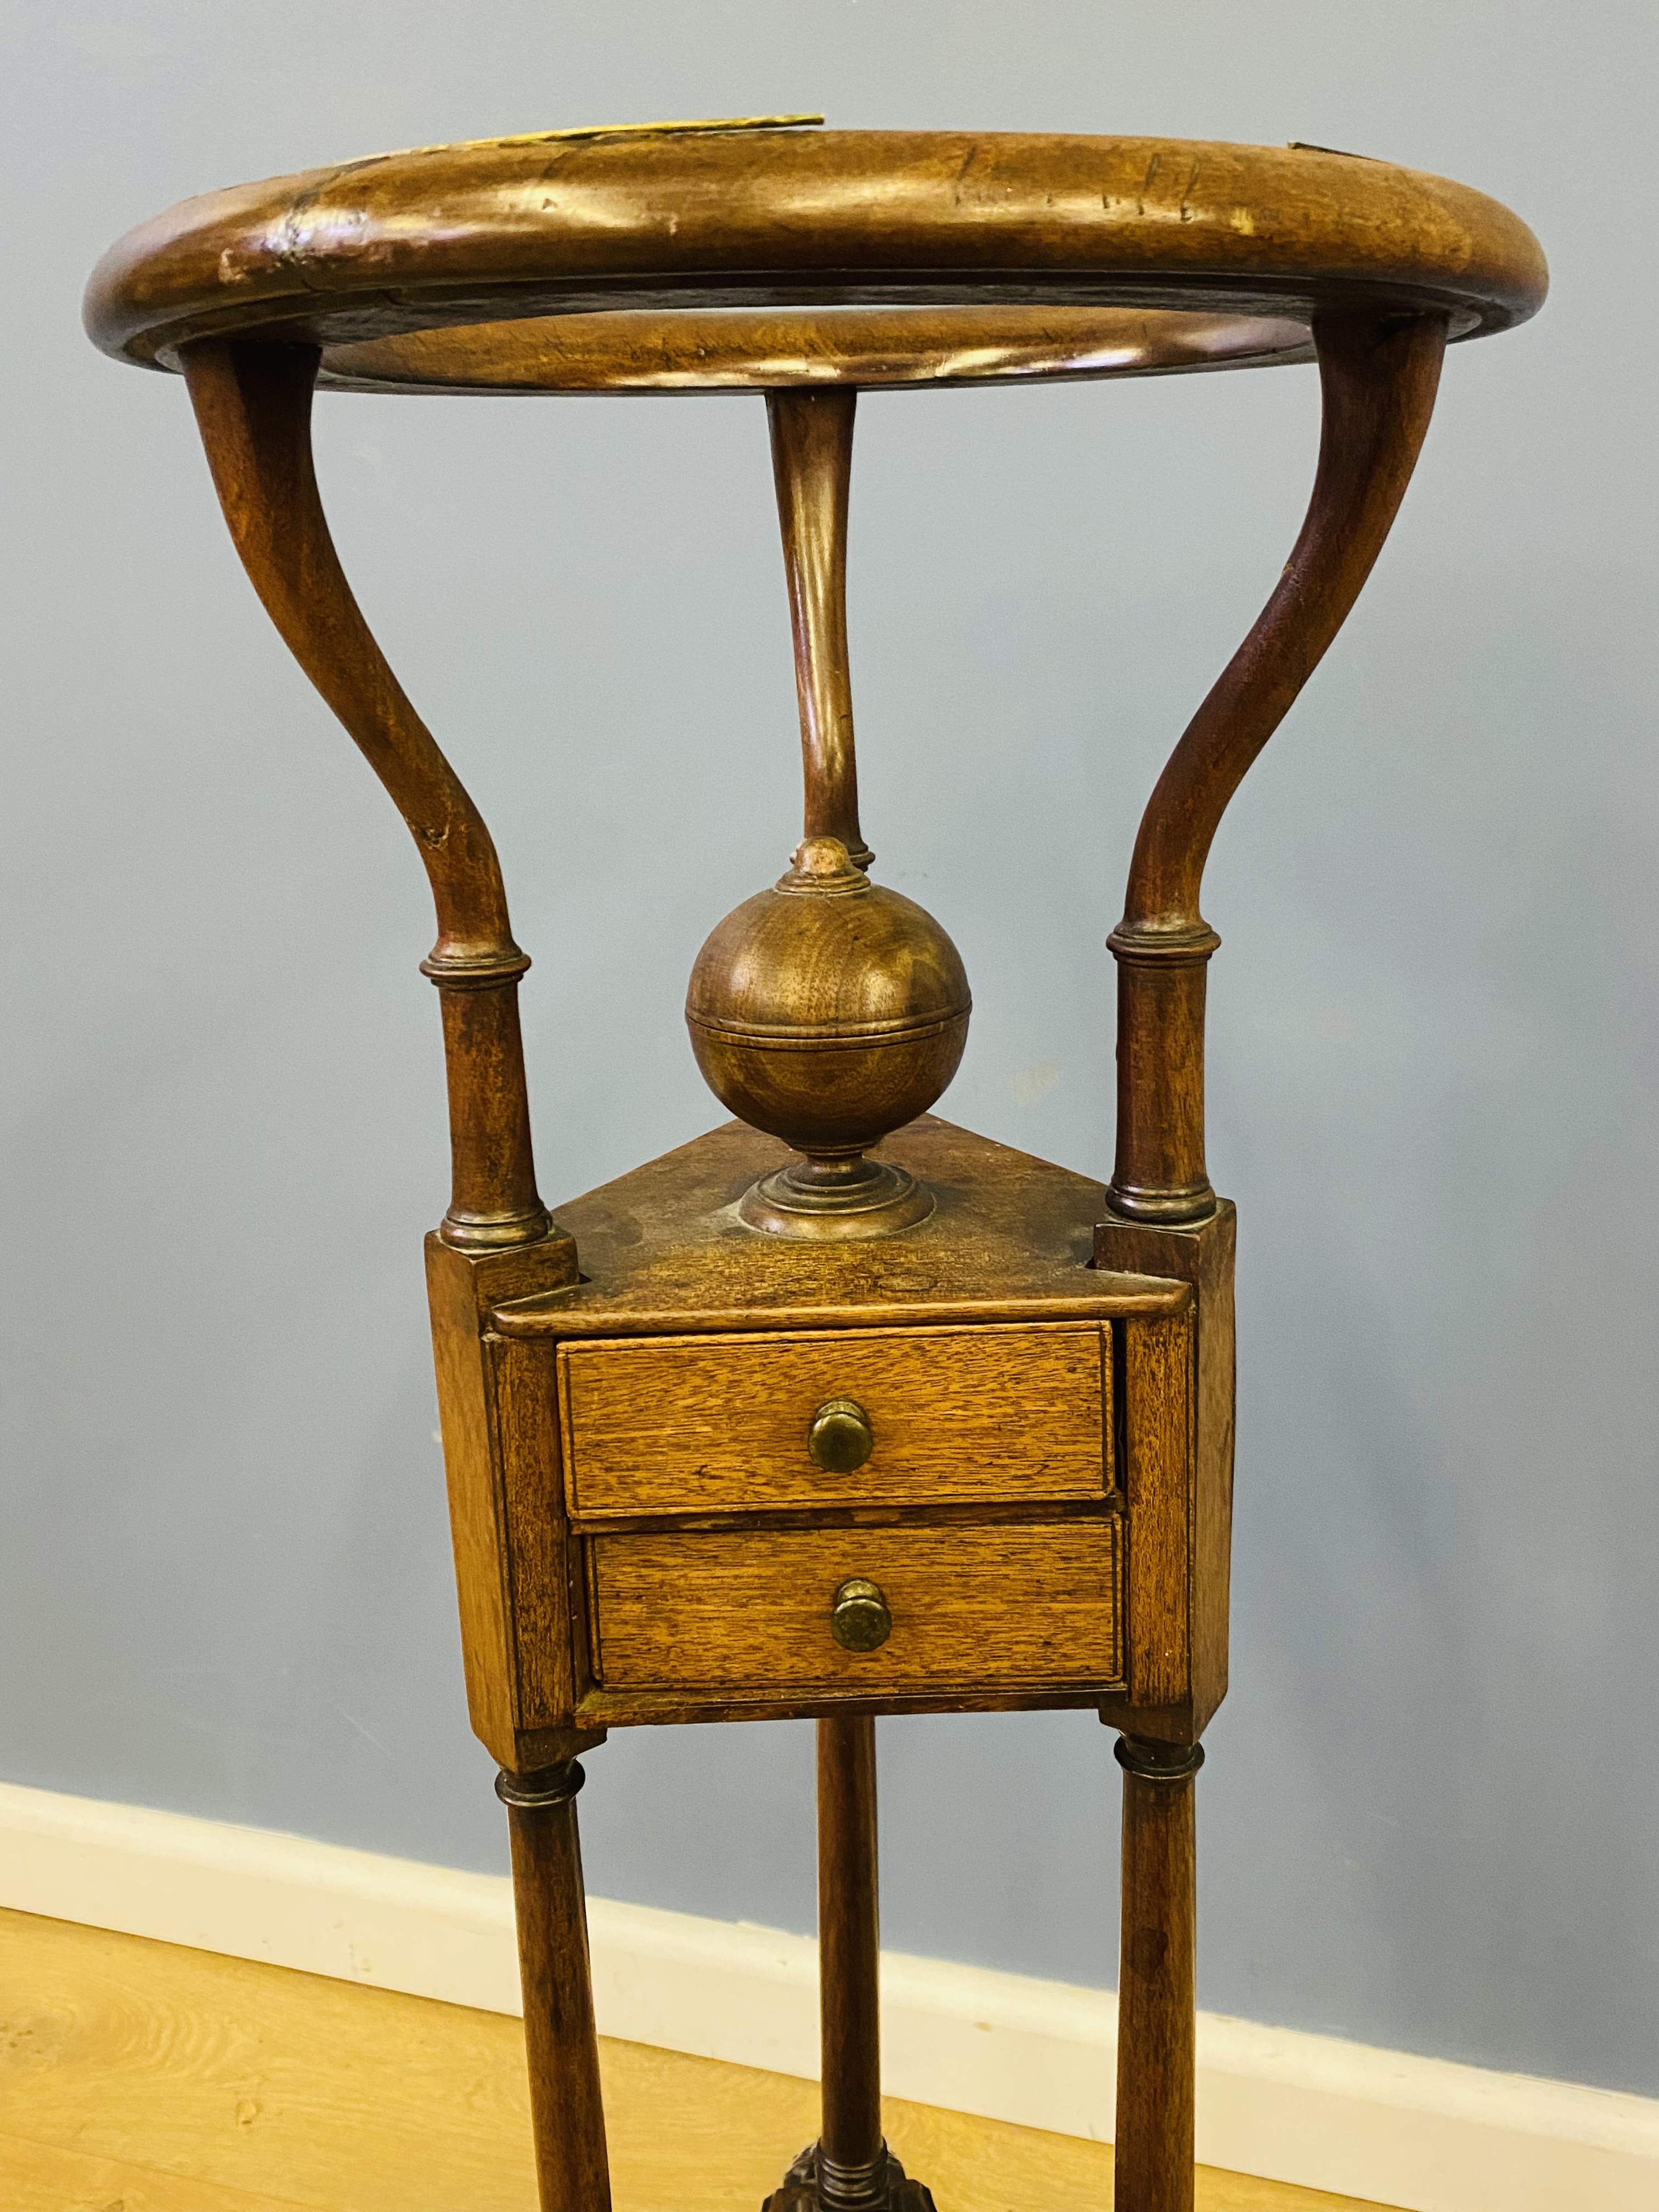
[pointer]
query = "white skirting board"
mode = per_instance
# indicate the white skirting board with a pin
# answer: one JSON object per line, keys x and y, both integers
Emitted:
{"x": 1419, "y": 2133}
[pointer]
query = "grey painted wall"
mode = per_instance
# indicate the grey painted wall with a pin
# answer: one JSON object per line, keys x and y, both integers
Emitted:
{"x": 1429, "y": 1819}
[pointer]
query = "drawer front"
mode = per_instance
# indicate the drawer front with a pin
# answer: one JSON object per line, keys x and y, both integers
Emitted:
{"x": 749, "y": 1610}
{"x": 718, "y": 1424}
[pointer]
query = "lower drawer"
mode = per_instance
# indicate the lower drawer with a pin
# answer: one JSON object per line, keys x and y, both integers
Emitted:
{"x": 751, "y": 1610}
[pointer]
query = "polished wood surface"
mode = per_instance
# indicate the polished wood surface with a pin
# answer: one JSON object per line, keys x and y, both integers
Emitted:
{"x": 627, "y": 1399}
{"x": 166, "y": 2080}
{"x": 1179, "y": 1449}
{"x": 849, "y": 1955}
{"x": 253, "y": 409}
{"x": 1152, "y": 2155}
{"x": 561, "y": 2046}
{"x": 470, "y": 235}
{"x": 829, "y": 1011}
{"x": 502, "y": 1467}
{"x": 1157, "y": 1385}
{"x": 668, "y": 1232}
{"x": 697, "y": 1426}
{"x": 813, "y": 470}
{"x": 688, "y": 350}
{"x": 1013, "y": 1239}
{"x": 1378, "y": 378}
{"x": 748, "y": 1613}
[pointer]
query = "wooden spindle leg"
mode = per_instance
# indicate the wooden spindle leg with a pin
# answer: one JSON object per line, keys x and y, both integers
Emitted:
{"x": 849, "y": 2168}
{"x": 1152, "y": 2155}
{"x": 852, "y": 2156}
{"x": 571, "y": 2171}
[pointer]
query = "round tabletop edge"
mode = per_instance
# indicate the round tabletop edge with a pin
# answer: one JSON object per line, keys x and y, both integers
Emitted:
{"x": 803, "y": 219}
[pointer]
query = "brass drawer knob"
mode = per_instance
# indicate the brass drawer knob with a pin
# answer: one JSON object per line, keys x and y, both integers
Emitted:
{"x": 859, "y": 1618}
{"x": 839, "y": 1437}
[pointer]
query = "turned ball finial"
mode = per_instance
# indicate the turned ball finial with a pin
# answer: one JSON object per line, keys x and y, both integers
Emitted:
{"x": 830, "y": 1011}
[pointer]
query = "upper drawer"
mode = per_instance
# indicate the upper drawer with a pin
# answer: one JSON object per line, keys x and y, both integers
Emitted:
{"x": 720, "y": 1424}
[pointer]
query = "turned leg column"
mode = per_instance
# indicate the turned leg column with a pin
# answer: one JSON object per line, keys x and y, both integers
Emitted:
{"x": 852, "y": 2169}
{"x": 1153, "y": 2151}
{"x": 572, "y": 2172}
{"x": 849, "y": 2168}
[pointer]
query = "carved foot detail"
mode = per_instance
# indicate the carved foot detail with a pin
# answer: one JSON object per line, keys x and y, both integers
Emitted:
{"x": 886, "y": 2189}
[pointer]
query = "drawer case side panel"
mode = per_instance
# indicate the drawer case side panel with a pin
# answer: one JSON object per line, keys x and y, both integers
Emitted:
{"x": 1203, "y": 1256}
{"x": 539, "y": 1541}
{"x": 1158, "y": 1387}
{"x": 466, "y": 1417}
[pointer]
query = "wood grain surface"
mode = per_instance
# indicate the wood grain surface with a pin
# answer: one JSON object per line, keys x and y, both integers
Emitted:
{"x": 1202, "y": 1253}
{"x": 684, "y": 349}
{"x": 1378, "y": 377}
{"x": 1156, "y": 2047}
{"x": 693, "y": 1424}
{"x": 150, "y": 2078}
{"x": 662, "y": 1252}
{"x": 750, "y": 1612}
{"x": 812, "y": 469}
{"x": 500, "y": 1457}
{"x": 472, "y": 1476}
{"x": 849, "y": 1943}
{"x": 253, "y": 409}
{"x": 923, "y": 218}
{"x": 830, "y": 1011}
{"x": 538, "y": 1546}
{"x": 565, "y": 2093}
{"x": 1159, "y": 1393}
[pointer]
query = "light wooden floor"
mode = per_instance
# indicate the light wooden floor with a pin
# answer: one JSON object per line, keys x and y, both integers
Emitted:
{"x": 141, "y": 2077}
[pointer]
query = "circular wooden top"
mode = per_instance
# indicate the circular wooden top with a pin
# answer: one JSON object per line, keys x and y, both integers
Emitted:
{"x": 681, "y": 259}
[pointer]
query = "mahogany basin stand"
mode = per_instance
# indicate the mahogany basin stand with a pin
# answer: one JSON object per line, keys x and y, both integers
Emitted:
{"x": 844, "y": 1411}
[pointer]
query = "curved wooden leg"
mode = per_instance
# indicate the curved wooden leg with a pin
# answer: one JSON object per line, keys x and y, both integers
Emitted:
{"x": 1153, "y": 2154}
{"x": 573, "y": 2173}
{"x": 849, "y": 2168}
